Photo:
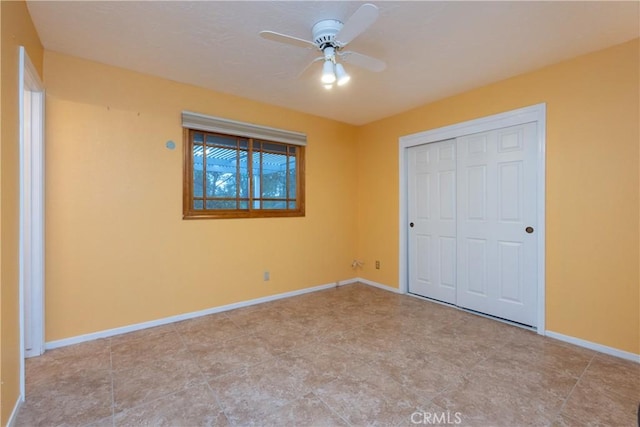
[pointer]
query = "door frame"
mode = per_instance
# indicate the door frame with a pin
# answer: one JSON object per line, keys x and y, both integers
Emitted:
{"x": 534, "y": 113}
{"x": 31, "y": 249}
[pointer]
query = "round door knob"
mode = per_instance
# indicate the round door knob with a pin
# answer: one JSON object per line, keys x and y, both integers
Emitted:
{"x": 411, "y": 224}
{"x": 529, "y": 230}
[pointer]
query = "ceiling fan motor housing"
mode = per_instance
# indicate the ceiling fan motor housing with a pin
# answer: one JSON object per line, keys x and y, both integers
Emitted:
{"x": 324, "y": 32}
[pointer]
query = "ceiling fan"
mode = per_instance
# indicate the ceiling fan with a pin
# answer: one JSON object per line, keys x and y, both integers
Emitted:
{"x": 330, "y": 37}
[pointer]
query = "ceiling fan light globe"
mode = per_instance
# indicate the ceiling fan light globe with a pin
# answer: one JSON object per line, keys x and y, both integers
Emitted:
{"x": 341, "y": 75}
{"x": 328, "y": 75}
{"x": 344, "y": 81}
{"x": 328, "y": 79}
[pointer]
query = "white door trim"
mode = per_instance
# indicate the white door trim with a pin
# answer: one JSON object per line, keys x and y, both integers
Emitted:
{"x": 534, "y": 113}
{"x": 31, "y": 249}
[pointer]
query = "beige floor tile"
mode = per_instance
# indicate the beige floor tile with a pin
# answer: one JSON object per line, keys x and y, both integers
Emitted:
{"x": 565, "y": 421}
{"x": 359, "y": 313}
{"x": 491, "y": 333}
{"x": 305, "y": 411}
{"x": 368, "y": 397}
{"x": 591, "y": 403}
{"x": 105, "y": 422}
{"x": 431, "y": 315}
{"x": 74, "y": 400}
{"x": 208, "y": 330}
{"x": 615, "y": 375}
{"x": 154, "y": 379}
{"x": 232, "y": 355}
{"x": 324, "y": 324}
{"x": 255, "y": 318}
{"x": 250, "y": 394}
{"x": 505, "y": 397}
{"x": 507, "y": 390}
{"x": 59, "y": 363}
{"x": 426, "y": 376}
{"x": 432, "y": 415}
{"x": 368, "y": 342}
{"x": 540, "y": 353}
{"x": 136, "y": 353}
{"x": 541, "y": 380}
{"x": 464, "y": 353}
{"x": 194, "y": 406}
{"x": 287, "y": 336}
{"x": 383, "y": 307}
{"x": 403, "y": 329}
{"x": 319, "y": 364}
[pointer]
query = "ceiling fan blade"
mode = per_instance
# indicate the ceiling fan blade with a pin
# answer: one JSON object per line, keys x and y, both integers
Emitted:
{"x": 309, "y": 67}
{"x": 363, "y": 61}
{"x": 283, "y": 38}
{"x": 359, "y": 21}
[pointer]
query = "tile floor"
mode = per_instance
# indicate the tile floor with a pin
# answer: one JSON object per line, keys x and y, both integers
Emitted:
{"x": 355, "y": 355}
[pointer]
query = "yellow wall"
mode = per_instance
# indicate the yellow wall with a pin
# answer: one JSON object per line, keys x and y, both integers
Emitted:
{"x": 16, "y": 30}
{"x": 592, "y": 219}
{"x": 118, "y": 251}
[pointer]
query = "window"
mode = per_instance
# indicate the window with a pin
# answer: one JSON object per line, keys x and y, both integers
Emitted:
{"x": 241, "y": 176}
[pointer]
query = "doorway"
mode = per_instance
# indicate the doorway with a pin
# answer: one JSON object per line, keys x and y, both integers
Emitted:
{"x": 31, "y": 116}
{"x": 472, "y": 215}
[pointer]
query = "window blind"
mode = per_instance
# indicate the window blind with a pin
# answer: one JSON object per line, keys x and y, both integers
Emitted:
{"x": 203, "y": 122}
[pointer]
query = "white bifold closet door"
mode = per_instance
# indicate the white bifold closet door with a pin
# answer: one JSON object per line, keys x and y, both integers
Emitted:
{"x": 472, "y": 204}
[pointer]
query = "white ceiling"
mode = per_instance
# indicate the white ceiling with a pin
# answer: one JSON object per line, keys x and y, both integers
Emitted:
{"x": 433, "y": 49}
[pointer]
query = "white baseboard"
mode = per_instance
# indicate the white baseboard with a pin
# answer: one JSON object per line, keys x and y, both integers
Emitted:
{"x": 594, "y": 346}
{"x": 14, "y": 414}
{"x": 555, "y": 335}
{"x": 348, "y": 281}
{"x": 377, "y": 285}
{"x": 171, "y": 319}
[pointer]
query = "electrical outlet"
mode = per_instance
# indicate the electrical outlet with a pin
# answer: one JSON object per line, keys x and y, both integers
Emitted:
{"x": 267, "y": 276}
{"x": 377, "y": 265}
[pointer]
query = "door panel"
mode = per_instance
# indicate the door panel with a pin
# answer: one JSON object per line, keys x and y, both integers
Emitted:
{"x": 477, "y": 193}
{"x": 510, "y": 194}
{"x": 510, "y": 269}
{"x": 423, "y": 247}
{"x": 423, "y": 182}
{"x": 447, "y": 262}
{"x": 497, "y": 271}
{"x": 432, "y": 210}
{"x": 476, "y": 262}
{"x": 447, "y": 195}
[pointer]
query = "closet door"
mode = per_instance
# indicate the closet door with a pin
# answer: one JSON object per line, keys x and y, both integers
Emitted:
{"x": 496, "y": 221}
{"x": 432, "y": 220}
